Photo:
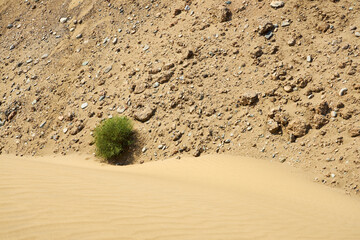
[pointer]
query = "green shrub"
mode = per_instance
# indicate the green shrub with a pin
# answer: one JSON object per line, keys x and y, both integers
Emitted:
{"x": 113, "y": 136}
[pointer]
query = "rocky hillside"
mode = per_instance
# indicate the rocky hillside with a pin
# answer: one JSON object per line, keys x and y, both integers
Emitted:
{"x": 271, "y": 79}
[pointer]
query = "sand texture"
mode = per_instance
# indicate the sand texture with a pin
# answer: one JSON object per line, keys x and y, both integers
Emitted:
{"x": 196, "y": 77}
{"x": 211, "y": 197}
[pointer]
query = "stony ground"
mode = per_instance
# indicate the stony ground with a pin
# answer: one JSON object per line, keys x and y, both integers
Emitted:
{"x": 269, "y": 79}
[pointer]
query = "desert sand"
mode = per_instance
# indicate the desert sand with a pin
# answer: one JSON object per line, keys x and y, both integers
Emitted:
{"x": 211, "y": 197}
{"x": 197, "y": 78}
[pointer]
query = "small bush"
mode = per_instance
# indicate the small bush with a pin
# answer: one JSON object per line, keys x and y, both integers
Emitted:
{"x": 113, "y": 136}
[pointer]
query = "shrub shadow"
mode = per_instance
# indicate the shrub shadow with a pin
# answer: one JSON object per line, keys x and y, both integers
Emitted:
{"x": 130, "y": 155}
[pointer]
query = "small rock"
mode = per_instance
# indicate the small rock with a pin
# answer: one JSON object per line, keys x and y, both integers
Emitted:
{"x": 269, "y": 35}
{"x": 288, "y": 88}
{"x": 330, "y": 159}
{"x": 63, "y": 20}
{"x": 165, "y": 77}
{"x": 9, "y": 26}
{"x": 42, "y": 124}
{"x": 292, "y": 42}
{"x": 177, "y": 11}
{"x": 197, "y": 153}
{"x": 115, "y": 40}
{"x": 79, "y": 36}
{"x": 323, "y": 26}
{"x": 298, "y": 128}
{"x": 144, "y": 150}
{"x": 354, "y": 131}
{"x": 144, "y": 114}
{"x": 343, "y": 91}
{"x": 273, "y": 127}
{"x": 265, "y": 27}
{"x": 323, "y": 108}
{"x": 277, "y": 4}
{"x": 319, "y": 121}
{"x": 84, "y": 105}
{"x": 357, "y": 34}
{"x": 309, "y": 58}
{"x": 285, "y": 23}
{"x": 108, "y": 69}
{"x": 156, "y": 85}
{"x": 85, "y": 63}
{"x": 120, "y": 110}
{"x": 11, "y": 115}
{"x": 249, "y": 98}
{"x": 44, "y": 56}
{"x": 224, "y": 14}
{"x": 333, "y": 114}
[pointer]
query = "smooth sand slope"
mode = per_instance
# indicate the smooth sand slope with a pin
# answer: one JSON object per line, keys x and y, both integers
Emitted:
{"x": 212, "y": 197}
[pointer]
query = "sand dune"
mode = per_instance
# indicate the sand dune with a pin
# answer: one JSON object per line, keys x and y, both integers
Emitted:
{"x": 210, "y": 197}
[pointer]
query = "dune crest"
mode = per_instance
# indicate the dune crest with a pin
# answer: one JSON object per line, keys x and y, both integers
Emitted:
{"x": 212, "y": 197}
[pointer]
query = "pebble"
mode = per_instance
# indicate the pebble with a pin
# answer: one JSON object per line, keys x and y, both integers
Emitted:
{"x": 156, "y": 85}
{"x": 285, "y": 23}
{"x": 44, "y": 56}
{"x": 79, "y": 36}
{"x": 121, "y": 110}
{"x": 146, "y": 47}
{"x": 63, "y": 20}
{"x": 108, "y": 69}
{"x": 269, "y": 35}
{"x": 85, "y": 63}
{"x": 10, "y": 26}
{"x": 84, "y": 105}
{"x": 115, "y": 40}
{"x": 277, "y": 4}
{"x": 106, "y": 40}
{"x": 144, "y": 150}
{"x": 309, "y": 58}
{"x": 343, "y": 91}
{"x": 333, "y": 114}
{"x": 291, "y": 42}
{"x": 288, "y": 88}
{"x": 357, "y": 34}
{"x": 42, "y": 124}
{"x": 12, "y": 47}
{"x": 65, "y": 130}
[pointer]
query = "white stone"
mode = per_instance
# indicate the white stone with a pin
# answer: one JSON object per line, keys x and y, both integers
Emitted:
{"x": 277, "y": 4}
{"x": 84, "y": 105}
{"x": 63, "y": 20}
